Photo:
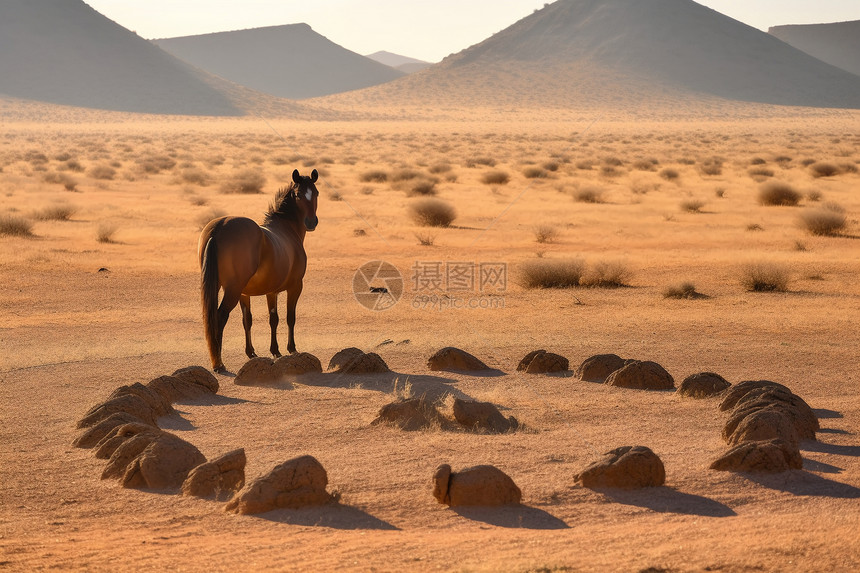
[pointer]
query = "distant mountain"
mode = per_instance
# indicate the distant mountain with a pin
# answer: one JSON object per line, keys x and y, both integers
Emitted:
{"x": 626, "y": 53}
{"x": 403, "y": 63}
{"x": 64, "y": 52}
{"x": 837, "y": 43}
{"x": 289, "y": 61}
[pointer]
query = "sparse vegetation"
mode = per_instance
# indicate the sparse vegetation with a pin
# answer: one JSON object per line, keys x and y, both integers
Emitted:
{"x": 15, "y": 226}
{"x": 57, "y": 212}
{"x": 495, "y": 178}
{"x": 374, "y": 176}
{"x": 535, "y": 172}
{"x": 589, "y": 194}
{"x": 102, "y": 172}
{"x": 712, "y": 166}
{"x": 246, "y": 181}
{"x": 823, "y": 169}
{"x": 607, "y": 274}
{"x": 669, "y": 174}
{"x": 195, "y": 176}
{"x": 777, "y": 193}
{"x": 425, "y": 239}
{"x": 432, "y": 213}
{"x": 546, "y": 273}
{"x": 681, "y": 290}
{"x": 105, "y": 232}
{"x": 422, "y": 187}
{"x": 764, "y": 276}
{"x": 488, "y": 161}
{"x": 545, "y": 233}
{"x": 692, "y": 205}
{"x": 335, "y": 196}
{"x": 760, "y": 173}
{"x": 828, "y": 219}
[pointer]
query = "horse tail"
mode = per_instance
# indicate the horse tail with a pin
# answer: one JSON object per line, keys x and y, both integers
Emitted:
{"x": 209, "y": 286}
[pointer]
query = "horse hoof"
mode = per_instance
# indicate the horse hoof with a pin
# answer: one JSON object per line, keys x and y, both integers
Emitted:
{"x": 252, "y": 355}
{"x": 220, "y": 369}
{"x": 276, "y": 354}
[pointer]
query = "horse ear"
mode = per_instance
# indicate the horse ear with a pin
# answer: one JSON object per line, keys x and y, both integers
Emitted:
{"x": 314, "y": 175}
{"x": 297, "y": 178}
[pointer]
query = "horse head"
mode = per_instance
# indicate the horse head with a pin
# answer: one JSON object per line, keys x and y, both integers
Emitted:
{"x": 306, "y": 198}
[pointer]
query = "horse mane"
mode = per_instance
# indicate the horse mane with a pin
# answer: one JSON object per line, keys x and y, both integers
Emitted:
{"x": 283, "y": 206}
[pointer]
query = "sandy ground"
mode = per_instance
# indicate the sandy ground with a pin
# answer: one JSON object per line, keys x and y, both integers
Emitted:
{"x": 71, "y": 334}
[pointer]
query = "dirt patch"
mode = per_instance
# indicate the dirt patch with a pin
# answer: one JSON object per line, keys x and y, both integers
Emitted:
{"x": 628, "y": 467}
{"x": 296, "y": 483}
{"x": 478, "y": 485}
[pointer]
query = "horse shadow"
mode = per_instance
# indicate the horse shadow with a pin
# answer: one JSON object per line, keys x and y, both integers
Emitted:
{"x": 512, "y": 517}
{"x": 432, "y": 387}
{"x": 668, "y": 500}
{"x": 804, "y": 483}
{"x": 332, "y": 516}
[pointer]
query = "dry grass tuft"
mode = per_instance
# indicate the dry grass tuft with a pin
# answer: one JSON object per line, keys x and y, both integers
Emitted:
{"x": 827, "y": 220}
{"x": 103, "y": 172}
{"x": 760, "y": 173}
{"x": 194, "y": 176}
{"x": 432, "y": 213}
{"x": 425, "y": 239}
{"x": 495, "y": 178}
{"x": 607, "y": 274}
{"x": 669, "y": 174}
{"x": 589, "y": 194}
{"x": 15, "y": 226}
{"x": 545, "y": 233}
{"x": 374, "y": 175}
{"x": 246, "y": 181}
{"x": 777, "y": 193}
{"x": 105, "y": 232}
{"x": 422, "y": 187}
{"x": 535, "y": 173}
{"x": 692, "y": 205}
{"x": 203, "y": 218}
{"x": 823, "y": 169}
{"x": 544, "y": 273}
{"x": 58, "y": 212}
{"x": 764, "y": 276}
{"x": 682, "y": 290}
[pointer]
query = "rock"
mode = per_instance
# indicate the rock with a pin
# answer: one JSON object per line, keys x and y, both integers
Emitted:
{"x": 804, "y": 418}
{"x": 599, "y": 367}
{"x": 127, "y": 403}
{"x": 702, "y": 385}
{"x": 642, "y": 375}
{"x": 343, "y": 357}
{"x": 220, "y": 478}
{"x": 258, "y": 371}
{"x": 450, "y": 358}
{"x": 478, "y": 485}
{"x": 175, "y": 389}
{"x": 767, "y": 423}
{"x": 412, "y": 414}
{"x": 370, "y": 363}
{"x": 541, "y": 361}
{"x": 119, "y": 435}
{"x": 94, "y": 434}
{"x": 159, "y": 404}
{"x": 153, "y": 460}
{"x": 628, "y": 467}
{"x": 770, "y": 456}
{"x": 296, "y": 483}
{"x": 482, "y": 416}
{"x": 296, "y": 364}
{"x": 199, "y": 376}
{"x": 739, "y": 390}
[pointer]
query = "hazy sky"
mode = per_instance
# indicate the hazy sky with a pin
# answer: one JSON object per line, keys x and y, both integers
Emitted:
{"x": 423, "y": 29}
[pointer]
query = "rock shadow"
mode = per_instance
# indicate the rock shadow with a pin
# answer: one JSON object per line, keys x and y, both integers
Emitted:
{"x": 823, "y": 413}
{"x": 512, "y": 517}
{"x": 801, "y": 482}
{"x": 824, "y": 448}
{"x": 433, "y": 387}
{"x": 668, "y": 500}
{"x": 333, "y": 516}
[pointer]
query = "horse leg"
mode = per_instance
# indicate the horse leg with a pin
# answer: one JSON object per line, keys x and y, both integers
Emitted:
{"x": 292, "y": 298}
{"x": 247, "y": 321}
{"x": 228, "y": 303}
{"x": 272, "y": 301}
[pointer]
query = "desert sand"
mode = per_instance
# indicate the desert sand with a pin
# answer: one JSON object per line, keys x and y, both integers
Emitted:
{"x": 73, "y": 332}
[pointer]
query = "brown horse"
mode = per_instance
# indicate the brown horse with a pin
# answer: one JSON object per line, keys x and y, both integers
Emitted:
{"x": 246, "y": 259}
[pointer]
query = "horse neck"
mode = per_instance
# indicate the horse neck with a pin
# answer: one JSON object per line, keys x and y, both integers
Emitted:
{"x": 289, "y": 227}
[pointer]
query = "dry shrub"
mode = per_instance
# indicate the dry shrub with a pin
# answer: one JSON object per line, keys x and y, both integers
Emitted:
{"x": 535, "y": 172}
{"x": 669, "y": 174}
{"x": 495, "y": 178}
{"x": 335, "y": 196}
{"x": 194, "y": 176}
{"x": 584, "y": 165}
{"x": 374, "y": 175}
{"x": 58, "y": 212}
{"x": 823, "y": 169}
{"x": 589, "y": 194}
{"x": 198, "y": 200}
{"x": 692, "y": 205}
{"x": 73, "y": 165}
{"x": 157, "y": 163}
{"x": 607, "y": 274}
{"x": 425, "y": 239}
{"x": 68, "y": 182}
{"x": 551, "y": 166}
{"x": 15, "y": 226}
{"x": 712, "y": 166}
{"x": 245, "y": 181}
{"x": 423, "y": 187}
{"x": 814, "y": 196}
{"x": 437, "y": 168}
{"x": 613, "y": 161}
{"x": 754, "y": 227}
{"x": 764, "y": 276}
{"x": 720, "y": 192}
{"x": 103, "y": 172}
{"x": 432, "y": 213}
{"x": 757, "y": 161}
{"x": 105, "y": 232}
{"x": 685, "y": 289}
{"x": 544, "y": 273}
{"x": 404, "y": 175}
{"x": 610, "y": 171}
{"x": 545, "y": 233}
{"x": 807, "y": 162}
{"x": 203, "y": 218}
{"x": 488, "y": 161}
{"x": 645, "y": 164}
{"x": 848, "y": 168}
{"x": 829, "y": 219}
{"x": 761, "y": 172}
{"x": 777, "y": 193}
